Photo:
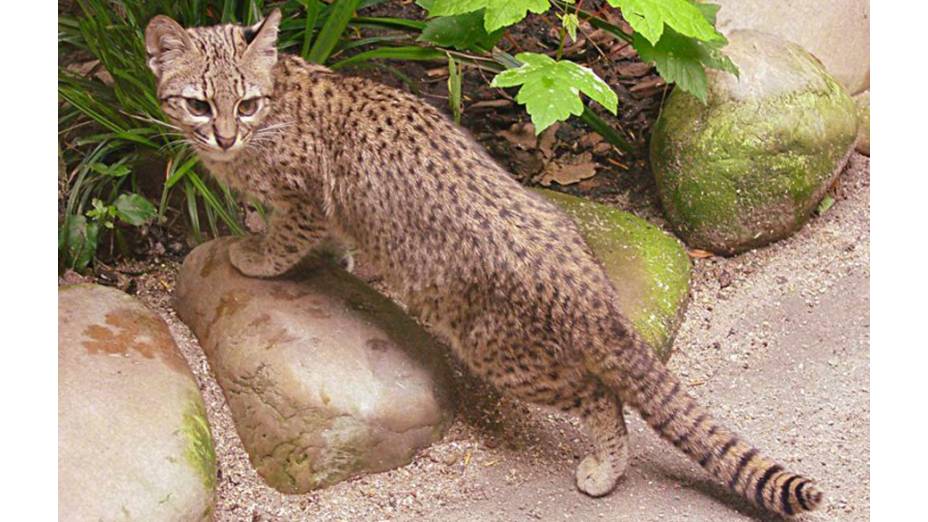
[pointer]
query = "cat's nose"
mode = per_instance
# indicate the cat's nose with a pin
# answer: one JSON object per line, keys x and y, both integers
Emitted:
{"x": 224, "y": 141}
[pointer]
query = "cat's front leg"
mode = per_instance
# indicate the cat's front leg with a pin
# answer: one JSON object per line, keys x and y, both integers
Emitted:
{"x": 292, "y": 233}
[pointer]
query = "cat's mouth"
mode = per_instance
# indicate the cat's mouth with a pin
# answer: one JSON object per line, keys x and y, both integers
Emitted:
{"x": 218, "y": 154}
{"x": 214, "y": 152}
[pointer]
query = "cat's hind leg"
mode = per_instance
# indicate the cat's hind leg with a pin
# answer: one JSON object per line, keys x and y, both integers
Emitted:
{"x": 601, "y": 412}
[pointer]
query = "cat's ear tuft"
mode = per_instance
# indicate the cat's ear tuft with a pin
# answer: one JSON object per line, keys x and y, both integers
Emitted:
{"x": 262, "y": 41}
{"x": 165, "y": 42}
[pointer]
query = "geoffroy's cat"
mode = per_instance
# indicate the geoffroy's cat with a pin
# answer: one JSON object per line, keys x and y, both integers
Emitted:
{"x": 497, "y": 272}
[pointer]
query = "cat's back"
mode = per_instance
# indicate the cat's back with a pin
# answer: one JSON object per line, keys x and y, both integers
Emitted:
{"x": 422, "y": 197}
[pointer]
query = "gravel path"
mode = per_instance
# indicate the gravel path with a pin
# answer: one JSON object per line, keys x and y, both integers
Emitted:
{"x": 775, "y": 341}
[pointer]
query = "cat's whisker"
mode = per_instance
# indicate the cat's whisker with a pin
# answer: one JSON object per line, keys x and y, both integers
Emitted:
{"x": 148, "y": 119}
{"x": 281, "y": 125}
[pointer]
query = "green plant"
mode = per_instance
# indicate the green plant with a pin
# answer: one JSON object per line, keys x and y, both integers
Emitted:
{"x": 677, "y": 35}
{"x": 112, "y": 124}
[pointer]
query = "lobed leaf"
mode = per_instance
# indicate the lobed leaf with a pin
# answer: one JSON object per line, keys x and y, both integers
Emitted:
{"x": 682, "y": 60}
{"x": 497, "y": 14}
{"x": 571, "y": 23}
{"x": 648, "y": 17}
{"x": 550, "y": 89}
{"x": 463, "y": 32}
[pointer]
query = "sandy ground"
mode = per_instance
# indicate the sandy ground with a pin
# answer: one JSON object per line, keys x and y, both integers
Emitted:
{"x": 775, "y": 341}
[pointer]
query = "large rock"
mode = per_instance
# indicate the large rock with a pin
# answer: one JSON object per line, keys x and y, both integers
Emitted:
{"x": 863, "y": 116}
{"x": 648, "y": 267}
{"x": 750, "y": 165}
{"x": 326, "y": 378}
{"x": 133, "y": 441}
{"x": 837, "y": 32}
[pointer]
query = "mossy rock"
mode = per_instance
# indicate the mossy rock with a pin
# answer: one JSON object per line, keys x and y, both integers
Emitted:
{"x": 649, "y": 268}
{"x": 134, "y": 443}
{"x": 749, "y": 166}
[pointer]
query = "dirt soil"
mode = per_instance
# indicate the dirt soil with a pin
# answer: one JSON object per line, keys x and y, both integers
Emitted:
{"x": 775, "y": 341}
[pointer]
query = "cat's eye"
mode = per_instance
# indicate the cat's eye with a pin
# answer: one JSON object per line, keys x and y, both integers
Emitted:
{"x": 248, "y": 107}
{"x": 198, "y": 107}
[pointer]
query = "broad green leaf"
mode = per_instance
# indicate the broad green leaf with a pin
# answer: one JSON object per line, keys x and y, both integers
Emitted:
{"x": 464, "y": 32}
{"x": 648, "y": 18}
{"x": 134, "y": 209}
{"x": 80, "y": 240}
{"x": 550, "y": 90}
{"x": 709, "y": 11}
{"x": 498, "y": 13}
{"x": 682, "y": 60}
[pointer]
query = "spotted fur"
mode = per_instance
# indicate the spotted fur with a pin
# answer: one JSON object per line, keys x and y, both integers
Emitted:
{"x": 495, "y": 270}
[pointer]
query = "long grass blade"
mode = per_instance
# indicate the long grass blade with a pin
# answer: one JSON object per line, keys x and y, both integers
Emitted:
{"x": 454, "y": 89}
{"x": 604, "y": 130}
{"x": 332, "y": 29}
{"x": 193, "y": 211}
{"x": 388, "y": 23}
{"x": 313, "y": 8}
{"x": 211, "y": 200}
{"x": 394, "y": 53}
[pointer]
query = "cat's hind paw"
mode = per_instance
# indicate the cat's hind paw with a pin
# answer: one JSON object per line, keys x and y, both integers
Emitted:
{"x": 595, "y": 477}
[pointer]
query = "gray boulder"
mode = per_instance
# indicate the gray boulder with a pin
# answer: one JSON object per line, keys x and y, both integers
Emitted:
{"x": 863, "y": 115}
{"x": 326, "y": 378}
{"x": 837, "y": 32}
{"x": 750, "y": 165}
{"x": 133, "y": 440}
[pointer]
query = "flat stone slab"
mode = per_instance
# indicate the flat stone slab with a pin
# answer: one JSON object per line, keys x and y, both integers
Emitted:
{"x": 326, "y": 378}
{"x": 648, "y": 267}
{"x": 133, "y": 440}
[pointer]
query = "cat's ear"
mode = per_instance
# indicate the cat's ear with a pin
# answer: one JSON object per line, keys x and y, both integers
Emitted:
{"x": 165, "y": 42}
{"x": 262, "y": 41}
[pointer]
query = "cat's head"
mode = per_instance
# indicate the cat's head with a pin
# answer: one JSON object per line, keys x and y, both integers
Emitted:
{"x": 215, "y": 82}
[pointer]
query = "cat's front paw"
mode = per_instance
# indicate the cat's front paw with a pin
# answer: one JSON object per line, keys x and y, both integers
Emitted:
{"x": 250, "y": 257}
{"x": 344, "y": 259}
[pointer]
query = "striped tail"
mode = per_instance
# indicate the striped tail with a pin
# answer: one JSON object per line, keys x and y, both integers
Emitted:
{"x": 645, "y": 384}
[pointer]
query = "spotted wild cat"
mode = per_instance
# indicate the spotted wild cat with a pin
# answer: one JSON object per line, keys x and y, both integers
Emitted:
{"x": 496, "y": 271}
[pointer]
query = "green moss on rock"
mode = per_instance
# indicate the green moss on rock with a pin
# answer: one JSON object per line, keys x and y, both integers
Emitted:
{"x": 649, "y": 268}
{"x": 750, "y": 165}
{"x": 199, "y": 453}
